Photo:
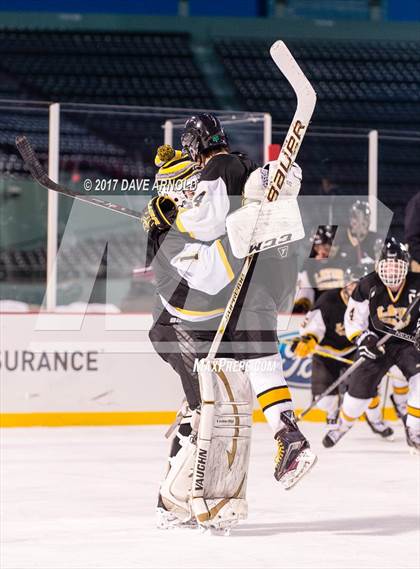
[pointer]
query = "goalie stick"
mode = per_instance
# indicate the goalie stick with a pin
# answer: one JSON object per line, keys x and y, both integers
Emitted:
{"x": 39, "y": 174}
{"x": 360, "y": 361}
{"x": 306, "y": 100}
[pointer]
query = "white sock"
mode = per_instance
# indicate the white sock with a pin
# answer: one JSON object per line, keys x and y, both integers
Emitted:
{"x": 374, "y": 411}
{"x": 351, "y": 409}
{"x": 329, "y": 404}
{"x": 399, "y": 389}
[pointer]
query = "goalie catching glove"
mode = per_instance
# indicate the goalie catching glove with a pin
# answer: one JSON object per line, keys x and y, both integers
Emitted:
{"x": 160, "y": 213}
{"x": 367, "y": 346}
{"x": 304, "y": 346}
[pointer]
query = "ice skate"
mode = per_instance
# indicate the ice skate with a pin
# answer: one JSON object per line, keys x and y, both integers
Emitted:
{"x": 294, "y": 457}
{"x": 168, "y": 520}
{"x": 380, "y": 428}
{"x": 413, "y": 441}
{"x": 334, "y": 435}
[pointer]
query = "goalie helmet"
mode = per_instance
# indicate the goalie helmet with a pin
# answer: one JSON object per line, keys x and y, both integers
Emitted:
{"x": 202, "y": 132}
{"x": 392, "y": 266}
{"x": 177, "y": 177}
{"x": 359, "y": 219}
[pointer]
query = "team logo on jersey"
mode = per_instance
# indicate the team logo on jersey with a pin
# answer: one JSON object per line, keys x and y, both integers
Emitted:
{"x": 392, "y": 315}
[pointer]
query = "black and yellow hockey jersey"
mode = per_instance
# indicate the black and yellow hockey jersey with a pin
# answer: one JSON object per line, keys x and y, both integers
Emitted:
{"x": 326, "y": 323}
{"x": 372, "y": 303}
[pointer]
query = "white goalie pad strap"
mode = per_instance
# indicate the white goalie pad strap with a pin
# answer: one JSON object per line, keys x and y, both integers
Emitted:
{"x": 223, "y": 444}
{"x": 254, "y": 228}
{"x": 176, "y": 488}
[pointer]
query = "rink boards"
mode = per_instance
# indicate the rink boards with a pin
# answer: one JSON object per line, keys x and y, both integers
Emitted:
{"x": 97, "y": 369}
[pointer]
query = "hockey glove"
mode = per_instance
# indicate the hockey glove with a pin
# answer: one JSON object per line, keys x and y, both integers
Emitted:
{"x": 367, "y": 346}
{"x": 160, "y": 212}
{"x": 304, "y": 346}
{"x": 302, "y": 306}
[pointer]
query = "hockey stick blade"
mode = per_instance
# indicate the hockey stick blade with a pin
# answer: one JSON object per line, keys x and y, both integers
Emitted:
{"x": 38, "y": 173}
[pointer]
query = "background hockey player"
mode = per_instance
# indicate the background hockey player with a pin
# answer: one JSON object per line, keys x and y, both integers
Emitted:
{"x": 382, "y": 298}
{"x": 334, "y": 249}
{"x": 323, "y": 336}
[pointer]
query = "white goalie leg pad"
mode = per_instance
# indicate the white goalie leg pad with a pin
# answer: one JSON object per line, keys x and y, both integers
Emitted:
{"x": 223, "y": 445}
{"x": 176, "y": 488}
{"x": 255, "y": 227}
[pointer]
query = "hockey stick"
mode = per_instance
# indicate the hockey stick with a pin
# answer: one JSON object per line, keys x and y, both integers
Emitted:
{"x": 306, "y": 99}
{"x": 359, "y": 361}
{"x": 38, "y": 173}
{"x": 325, "y": 354}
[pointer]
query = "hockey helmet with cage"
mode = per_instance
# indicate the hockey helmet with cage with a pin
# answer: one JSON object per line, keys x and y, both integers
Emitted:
{"x": 359, "y": 219}
{"x": 393, "y": 263}
{"x": 177, "y": 177}
{"x": 201, "y": 133}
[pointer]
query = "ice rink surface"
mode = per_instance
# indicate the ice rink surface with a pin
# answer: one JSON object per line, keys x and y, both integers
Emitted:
{"x": 85, "y": 497}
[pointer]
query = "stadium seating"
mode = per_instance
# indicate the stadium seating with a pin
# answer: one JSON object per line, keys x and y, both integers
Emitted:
{"x": 362, "y": 85}
{"x": 104, "y": 67}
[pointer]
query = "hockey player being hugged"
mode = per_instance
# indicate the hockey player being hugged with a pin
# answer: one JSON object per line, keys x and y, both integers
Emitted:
{"x": 382, "y": 298}
{"x": 270, "y": 283}
{"x": 334, "y": 249}
{"x": 323, "y": 336}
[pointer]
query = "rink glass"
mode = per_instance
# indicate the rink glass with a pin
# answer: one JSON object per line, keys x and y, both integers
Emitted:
{"x": 102, "y": 254}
